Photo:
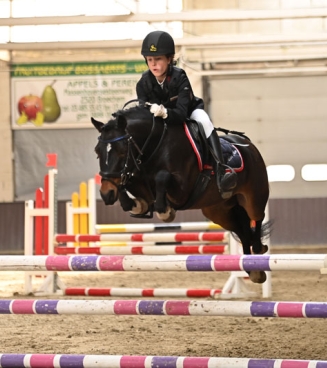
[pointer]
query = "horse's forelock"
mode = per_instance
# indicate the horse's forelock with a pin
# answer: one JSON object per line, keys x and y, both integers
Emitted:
{"x": 111, "y": 124}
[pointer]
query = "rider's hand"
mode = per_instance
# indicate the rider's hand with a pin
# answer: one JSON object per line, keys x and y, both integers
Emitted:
{"x": 159, "y": 110}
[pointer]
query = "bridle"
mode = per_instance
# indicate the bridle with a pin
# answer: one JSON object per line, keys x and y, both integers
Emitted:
{"x": 125, "y": 174}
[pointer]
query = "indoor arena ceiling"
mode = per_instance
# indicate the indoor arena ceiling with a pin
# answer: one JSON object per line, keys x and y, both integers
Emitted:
{"x": 133, "y": 14}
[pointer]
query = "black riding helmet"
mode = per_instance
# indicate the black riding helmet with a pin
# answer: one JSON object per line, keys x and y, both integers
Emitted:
{"x": 158, "y": 43}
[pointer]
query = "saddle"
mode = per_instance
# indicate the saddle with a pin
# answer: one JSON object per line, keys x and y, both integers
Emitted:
{"x": 196, "y": 135}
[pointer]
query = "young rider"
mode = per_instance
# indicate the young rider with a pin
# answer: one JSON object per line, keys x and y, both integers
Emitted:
{"x": 169, "y": 91}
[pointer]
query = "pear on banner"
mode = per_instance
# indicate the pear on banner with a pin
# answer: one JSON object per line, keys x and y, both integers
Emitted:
{"x": 51, "y": 107}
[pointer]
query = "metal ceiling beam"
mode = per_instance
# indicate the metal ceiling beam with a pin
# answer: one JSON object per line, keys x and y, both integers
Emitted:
{"x": 130, "y": 5}
{"x": 190, "y": 42}
{"x": 267, "y": 72}
{"x": 208, "y": 15}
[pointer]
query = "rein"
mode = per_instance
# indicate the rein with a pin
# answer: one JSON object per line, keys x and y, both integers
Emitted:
{"x": 137, "y": 160}
{"x": 149, "y": 139}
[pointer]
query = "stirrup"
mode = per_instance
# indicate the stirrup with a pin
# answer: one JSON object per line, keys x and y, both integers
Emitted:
{"x": 228, "y": 181}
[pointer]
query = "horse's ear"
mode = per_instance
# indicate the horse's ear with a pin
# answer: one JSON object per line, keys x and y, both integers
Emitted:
{"x": 121, "y": 121}
{"x": 97, "y": 124}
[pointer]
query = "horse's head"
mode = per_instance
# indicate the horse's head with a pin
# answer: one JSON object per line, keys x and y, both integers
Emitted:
{"x": 117, "y": 150}
{"x": 112, "y": 151}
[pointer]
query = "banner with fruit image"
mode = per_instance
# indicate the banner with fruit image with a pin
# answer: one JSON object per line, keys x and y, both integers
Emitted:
{"x": 67, "y": 95}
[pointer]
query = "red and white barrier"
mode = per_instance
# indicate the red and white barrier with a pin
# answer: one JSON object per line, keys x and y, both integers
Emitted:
{"x": 148, "y": 292}
{"x": 150, "y": 250}
{"x": 155, "y": 237}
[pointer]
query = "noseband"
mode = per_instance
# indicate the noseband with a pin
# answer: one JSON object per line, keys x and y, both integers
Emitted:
{"x": 123, "y": 174}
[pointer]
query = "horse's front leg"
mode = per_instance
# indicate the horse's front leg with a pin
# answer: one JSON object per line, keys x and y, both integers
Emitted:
{"x": 164, "y": 212}
{"x": 135, "y": 206}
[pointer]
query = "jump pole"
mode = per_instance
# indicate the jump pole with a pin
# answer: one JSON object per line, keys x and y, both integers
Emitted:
{"x": 147, "y": 292}
{"x": 140, "y": 263}
{"x": 143, "y": 361}
{"x": 165, "y": 308}
{"x": 150, "y": 250}
{"x": 133, "y": 228}
{"x": 221, "y": 236}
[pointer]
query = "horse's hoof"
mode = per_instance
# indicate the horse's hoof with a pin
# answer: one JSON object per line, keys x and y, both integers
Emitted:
{"x": 168, "y": 216}
{"x": 261, "y": 250}
{"x": 264, "y": 249}
{"x": 140, "y": 207}
{"x": 258, "y": 277}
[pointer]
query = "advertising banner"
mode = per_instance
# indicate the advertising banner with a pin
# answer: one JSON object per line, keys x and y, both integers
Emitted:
{"x": 67, "y": 95}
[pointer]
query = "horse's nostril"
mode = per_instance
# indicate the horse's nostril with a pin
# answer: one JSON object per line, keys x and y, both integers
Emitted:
{"x": 109, "y": 197}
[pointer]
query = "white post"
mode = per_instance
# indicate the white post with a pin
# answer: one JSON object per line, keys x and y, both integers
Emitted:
{"x": 267, "y": 287}
{"x": 69, "y": 221}
{"x": 49, "y": 284}
{"x": 92, "y": 206}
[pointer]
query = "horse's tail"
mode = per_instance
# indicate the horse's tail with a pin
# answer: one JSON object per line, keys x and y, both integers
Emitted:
{"x": 266, "y": 229}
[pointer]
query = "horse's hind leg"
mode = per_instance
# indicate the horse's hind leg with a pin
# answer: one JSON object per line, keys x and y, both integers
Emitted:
{"x": 250, "y": 237}
{"x": 257, "y": 246}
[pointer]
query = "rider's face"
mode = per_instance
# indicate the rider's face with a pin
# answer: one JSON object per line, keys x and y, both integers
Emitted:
{"x": 158, "y": 65}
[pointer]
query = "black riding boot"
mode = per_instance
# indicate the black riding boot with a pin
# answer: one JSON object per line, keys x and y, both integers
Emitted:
{"x": 226, "y": 181}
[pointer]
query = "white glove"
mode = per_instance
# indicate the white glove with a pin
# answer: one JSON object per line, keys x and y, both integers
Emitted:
{"x": 159, "y": 110}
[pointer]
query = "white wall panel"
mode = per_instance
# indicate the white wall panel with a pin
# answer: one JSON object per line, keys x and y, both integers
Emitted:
{"x": 284, "y": 116}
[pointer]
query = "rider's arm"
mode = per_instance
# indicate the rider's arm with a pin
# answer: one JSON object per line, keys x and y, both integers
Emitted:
{"x": 178, "y": 110}
{"x": 140, "y": 92}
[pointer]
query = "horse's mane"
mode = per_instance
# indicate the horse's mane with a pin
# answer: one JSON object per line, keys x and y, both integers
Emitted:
{"x": 139, "y": 111}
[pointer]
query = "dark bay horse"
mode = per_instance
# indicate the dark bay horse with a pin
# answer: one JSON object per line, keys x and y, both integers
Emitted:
{"x": 155, "y": 163}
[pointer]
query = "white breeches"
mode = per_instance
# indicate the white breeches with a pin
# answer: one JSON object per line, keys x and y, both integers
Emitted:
{"x": 202, "y": 117}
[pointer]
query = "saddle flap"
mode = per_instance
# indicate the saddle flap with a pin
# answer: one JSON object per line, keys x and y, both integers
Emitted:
{"x": 197, "y": 134}
{"x": 197, "y": 138}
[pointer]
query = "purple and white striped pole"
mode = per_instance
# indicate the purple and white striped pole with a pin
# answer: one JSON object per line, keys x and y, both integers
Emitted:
{"x": 139, "y": 361}
{"x": 269, "y": 262}
{"x": 165, "y": 308}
